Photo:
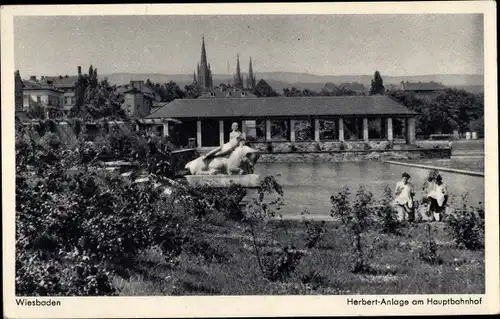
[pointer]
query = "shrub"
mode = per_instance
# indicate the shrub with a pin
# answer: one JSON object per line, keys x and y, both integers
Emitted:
{"x": 315, "y": 231}
{"x": 387, "y": 216}
{"x": 466, "y": 226}
{"x": 428, "y": 251}
{"x": 279, "y": 265}
{"x": 74, "y": 230}
{"x": 357, "y": 217}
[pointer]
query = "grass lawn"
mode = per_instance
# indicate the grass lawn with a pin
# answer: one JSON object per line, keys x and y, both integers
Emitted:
{"x": 324, "y": 270}
{"x": 469, "y": 164}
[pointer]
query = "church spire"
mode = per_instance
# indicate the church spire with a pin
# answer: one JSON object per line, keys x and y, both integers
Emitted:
{"x": 203, "y": 60}
{"x": 204, "y": 72}
{"x": 238, "y": 82}
{"x": 251, "y": 77}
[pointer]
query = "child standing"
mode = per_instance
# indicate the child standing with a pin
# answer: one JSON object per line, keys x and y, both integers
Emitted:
{"x": 403, "y": 203}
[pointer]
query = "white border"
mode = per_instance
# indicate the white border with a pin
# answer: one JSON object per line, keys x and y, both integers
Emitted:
{"x": 244, "y": 306}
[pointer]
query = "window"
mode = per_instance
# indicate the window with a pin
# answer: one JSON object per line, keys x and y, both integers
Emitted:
{"x": 38, "y": 99}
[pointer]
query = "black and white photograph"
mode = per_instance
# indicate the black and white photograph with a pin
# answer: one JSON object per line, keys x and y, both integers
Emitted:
{"x": 250, "y": 154}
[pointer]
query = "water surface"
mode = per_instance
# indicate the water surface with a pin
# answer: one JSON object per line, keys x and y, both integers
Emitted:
{"x": 308, "y": 186}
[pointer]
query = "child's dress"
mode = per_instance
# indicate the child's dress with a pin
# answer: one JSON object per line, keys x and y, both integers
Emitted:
{"x": 405, "y": 194}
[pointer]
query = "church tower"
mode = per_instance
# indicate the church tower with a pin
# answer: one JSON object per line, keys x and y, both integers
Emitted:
{"x": 204, "y": 72}
{"x": 238, "y": 81}
{"x": 251, "y": 77}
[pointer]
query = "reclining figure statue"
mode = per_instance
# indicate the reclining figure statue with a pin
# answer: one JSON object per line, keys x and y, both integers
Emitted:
{"x": 232, "y": 158}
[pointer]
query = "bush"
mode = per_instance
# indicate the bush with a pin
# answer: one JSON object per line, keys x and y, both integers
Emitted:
{"x": 466, "y": 226}
{"x": 387, "y": 216}
{"x": 428, "y": 251}
{"x": 357, "y": 217}
{"x": 75, "y": 231}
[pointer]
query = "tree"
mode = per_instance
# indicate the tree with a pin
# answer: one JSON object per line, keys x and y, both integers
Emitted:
{"x": 292, "y": 92}
{"x": 307, "y": 92}
{"x": 35, "y": 111}
{"x": 94, "y": 99}
{"x": 377, "y": 86}
{"x": 192, "y": 91}
{"x": 450, "y": 110}
{"x": 173, "y": 91}
{"x": 263, "y": 89}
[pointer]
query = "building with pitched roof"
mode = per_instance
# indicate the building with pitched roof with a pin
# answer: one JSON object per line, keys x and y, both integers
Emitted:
{"x": 424, "y": 89}
{"x": 66, "y": 84}
{"x": 44, "y": 94}
{"x": 209, "y": 120}
{"x": 138, "y": 98}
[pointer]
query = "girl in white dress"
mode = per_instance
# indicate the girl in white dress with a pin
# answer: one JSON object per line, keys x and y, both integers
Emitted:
{"x": 403, "y": 202}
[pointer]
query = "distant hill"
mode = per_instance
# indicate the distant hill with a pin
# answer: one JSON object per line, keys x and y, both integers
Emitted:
{"x": 280, "y": 80}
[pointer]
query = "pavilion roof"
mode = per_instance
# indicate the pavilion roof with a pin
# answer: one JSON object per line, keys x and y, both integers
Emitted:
{"x": 282, "y": 107}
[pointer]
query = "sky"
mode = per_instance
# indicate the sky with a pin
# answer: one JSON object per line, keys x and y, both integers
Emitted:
{"x": 397, "y": 45}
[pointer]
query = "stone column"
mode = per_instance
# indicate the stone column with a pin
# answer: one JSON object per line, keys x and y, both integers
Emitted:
{"x": 410, "y": 130}
{"x": 316, "y": 130}
{"x": 292, "y": 130}
{"x": 165, "y": 129}
{"x": 268, "y": 130}
{"x": 389, "y": 129}
{"x": 365, "y": 129}
{"x": 198, "y": 133}
{"x": 244, "y": 129}
{"x": 221, "y": 132}
{"x": 341, "y": 129}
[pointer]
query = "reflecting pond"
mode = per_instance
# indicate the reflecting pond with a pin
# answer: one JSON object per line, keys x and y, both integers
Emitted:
{"x": 308, "y": 186}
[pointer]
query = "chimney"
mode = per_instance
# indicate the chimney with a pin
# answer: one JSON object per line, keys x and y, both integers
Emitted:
{"x": 33, "y": 78}
{"x": 79, "y": 70}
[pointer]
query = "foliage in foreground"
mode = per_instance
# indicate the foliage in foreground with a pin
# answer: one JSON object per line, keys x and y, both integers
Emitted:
{"x": 75, "y": 232}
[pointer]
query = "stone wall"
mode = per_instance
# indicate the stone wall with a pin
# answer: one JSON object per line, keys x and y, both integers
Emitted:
{"x": 340, "y": 156}
{"x": 311, "y": 146}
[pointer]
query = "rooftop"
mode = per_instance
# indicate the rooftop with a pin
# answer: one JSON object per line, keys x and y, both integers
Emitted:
{"x": 281, "y": 107}
{"x": 227, "y": 93}
{"x": 32, "y": 85}
{"x": 422, "y": 86}
{"x": 63, "y": 81}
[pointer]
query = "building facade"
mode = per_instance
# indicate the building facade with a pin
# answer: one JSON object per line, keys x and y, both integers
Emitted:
{"x": 137, "y": 98}
{"x": 43, "y": 94}
{"x": 18, "y": 92}
{"x": 290, "y": 119}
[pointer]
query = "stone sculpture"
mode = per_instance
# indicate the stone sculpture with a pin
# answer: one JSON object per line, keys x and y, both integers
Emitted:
{"x": 230, "y": 159}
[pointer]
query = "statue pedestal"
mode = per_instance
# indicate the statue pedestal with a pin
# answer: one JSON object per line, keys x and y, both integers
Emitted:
{"x": 221, "y": 181}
